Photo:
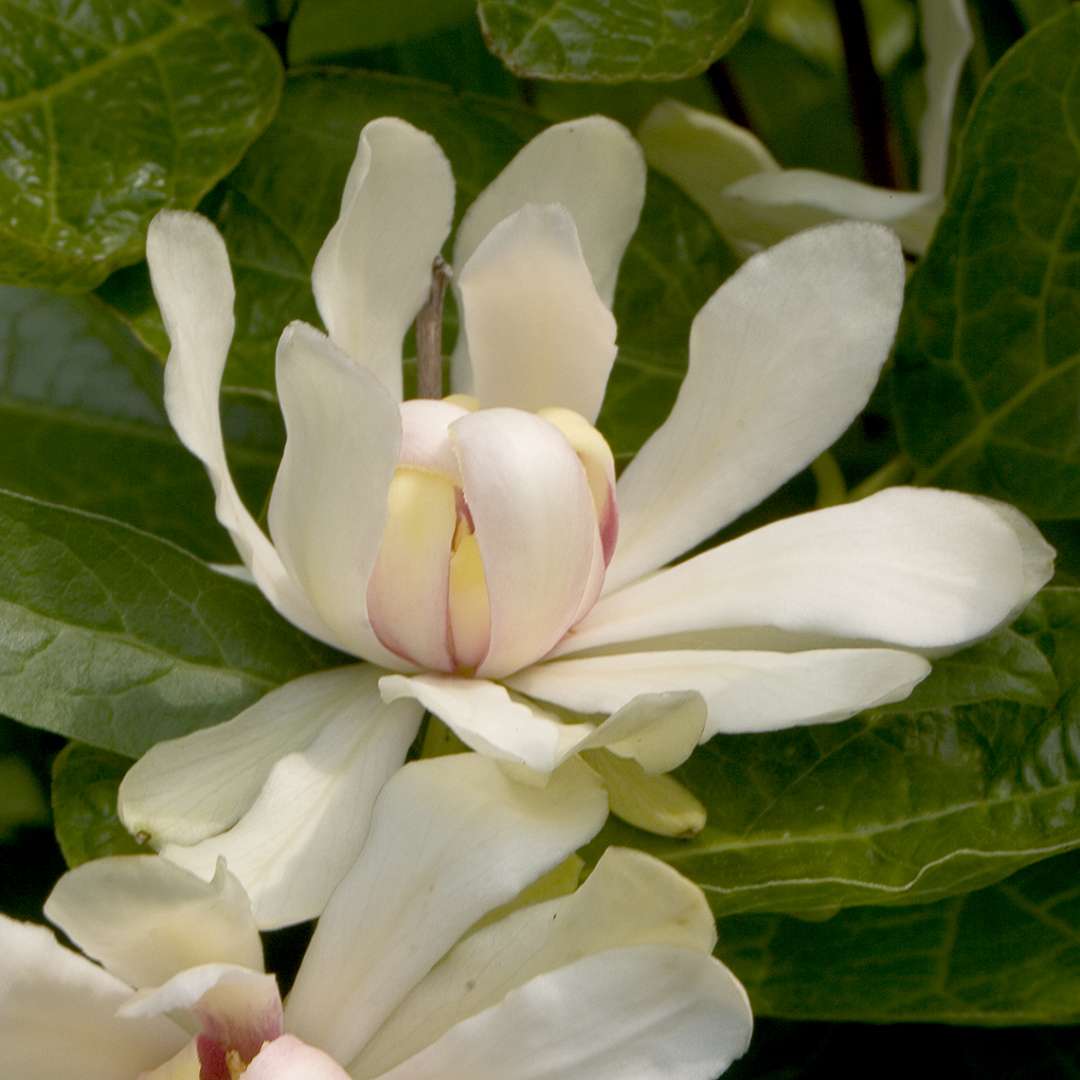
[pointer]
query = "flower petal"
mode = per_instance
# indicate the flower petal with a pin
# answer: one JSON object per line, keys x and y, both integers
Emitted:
{"x": 373, "y": 272}
{"x": 629, "y": 899}
{"x": 536, "y": 527}
{"x": 947, "y": 40}
{"x": 658, "y": 731}
{"x": 651, "y": 1012}
{"x": 656, "y": 803}
{"x": 550, "y": 169}
{"x": 782, "y": 358}
{"x": 328, "y": 506}
{"x": 916, "y": 568}
{"x": 145, "y": 919}
{"x": 484, "y": 717}
{"x": 592, "y": 167}
{"x": 702, "y": 152}
{"x": 290, "y": 1059}
{"x": 766, "y": 207}
{"x": 451, "y": 839}
{"x": 58, "y": 1015}
{"x": 537, "y": 331}
{"x": 184, "y": 790}
{"x": 307, "y": 825}
{"x": 189, "y": 270}
{"x": 744, "y": 691}
{"x": 232, "y": 1008}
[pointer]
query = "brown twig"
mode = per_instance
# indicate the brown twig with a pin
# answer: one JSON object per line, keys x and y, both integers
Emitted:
{"x": 429, "y": 355}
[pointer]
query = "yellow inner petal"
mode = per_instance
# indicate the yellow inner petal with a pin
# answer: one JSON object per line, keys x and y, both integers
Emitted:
{"x": 469, "y": 605}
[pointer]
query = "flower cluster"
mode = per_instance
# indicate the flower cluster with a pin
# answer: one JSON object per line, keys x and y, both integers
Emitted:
{"x": 481, "y": 557}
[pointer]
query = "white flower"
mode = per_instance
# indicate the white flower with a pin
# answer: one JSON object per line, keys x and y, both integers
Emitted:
{"x": 462, "y": 549}
{"x": 613, "y": 981}
{"x": 754, "y": 202}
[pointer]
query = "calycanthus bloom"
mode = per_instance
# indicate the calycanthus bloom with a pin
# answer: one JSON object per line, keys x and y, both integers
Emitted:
{"x": 612, "y": 981}
{"x": 478, "y": 550}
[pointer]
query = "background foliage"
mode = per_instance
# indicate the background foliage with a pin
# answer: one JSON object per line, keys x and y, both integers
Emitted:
{"x": 915, "y": 864}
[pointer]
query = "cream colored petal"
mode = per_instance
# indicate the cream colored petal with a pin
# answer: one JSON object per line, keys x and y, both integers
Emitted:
{"x": 451, "y": 839}
{"x": 328, "y": 504}
{"x": 782, "y": 359}
{"x": 373, "y": 272}
{"x": 537, "y": 330}
{"x": 146, "y": 920}
{"x": 629, "y": 899}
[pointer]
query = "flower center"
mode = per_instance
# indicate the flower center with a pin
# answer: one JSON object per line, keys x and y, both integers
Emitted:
{"x": 429, "y": 596}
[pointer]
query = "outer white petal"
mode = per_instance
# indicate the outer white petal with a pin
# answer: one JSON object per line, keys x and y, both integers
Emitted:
{"x": 328, "y": 506}
{"x": 145, "y": 919}
{"x": 374, "y": 270}
{"x": 189, "y": 269}
{"x": 782, "y": 358}
{"x": 744, "y": 691}
{"x": 916, "y": 568}
{"x": 537, "y": 331}
{"x": 58, "y": 1015}
{"x": 768, "y": 206}
{"x": 535, "y": 525}
{"x": 184, "y": 790}
{"x": 592, "y": 167}
{"x": 702, "y": 152}
{"x": 629, "y": 899}
{"x": 650, "y": 1012}
{"x": 484, "y": 717}
{"x": 947, "y": 40}
{"x": 451, "y": 839}
{"x": 290, "y": 1059}
{"x": 306, "y": 827}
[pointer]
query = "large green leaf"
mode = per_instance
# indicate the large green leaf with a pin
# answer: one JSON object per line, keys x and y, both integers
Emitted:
{"x": 1009, "y": 954}
{"x": 1037, "y": 11}
{"x": 83, "y": 424}
{"x": 988, "y": 356}
{"x": 85, "y": 783}
{"x": 277, "y": 207}
{"x": 611, "y": 40}
{"x": 109, "y": 111}
{"x": 974, "y": 776}
{"x": 117, "y": 638}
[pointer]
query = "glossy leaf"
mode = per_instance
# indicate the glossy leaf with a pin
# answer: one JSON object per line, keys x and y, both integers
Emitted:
{"x": 1037, "y": 11}
{"x": 611, "y": 40}
{"x": 84, "y": 787}
{"x": 324, "y": 28}
{"x": 277, "y": 207}
{"x": 971, "y": 778}
{"x": 117, "y": 638}
{"x": 83, "y": 424}
{"x": 110, "y": 111}
{"x": 1008, "y": 954}
{"x": 988, "y": 356}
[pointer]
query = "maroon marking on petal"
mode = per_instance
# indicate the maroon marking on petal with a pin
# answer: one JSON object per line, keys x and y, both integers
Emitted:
{"x": 609, "y": 527}
{"x": 212, "y": 1064}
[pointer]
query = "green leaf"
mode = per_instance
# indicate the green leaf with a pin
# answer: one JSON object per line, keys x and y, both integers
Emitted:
{"x": 277, "y": 207}
{"x": 21, "y": 801}
{"x": 987, "y": 372}
{"x": 974, "y": 776}
{"x": 83, "y": 424}
{"x": 110, "y": 111}
{"x": 1008, "y": 954}
{"x": 84, "y": 787}
{"x": 611, "y": 40}
{"x": 119, "y": 639}
{"x": 324, "y": 28}
{"x": 1037, "y": 11}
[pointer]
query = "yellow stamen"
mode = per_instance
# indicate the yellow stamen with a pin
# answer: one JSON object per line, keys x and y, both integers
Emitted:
{"x": 235, "y": 1064}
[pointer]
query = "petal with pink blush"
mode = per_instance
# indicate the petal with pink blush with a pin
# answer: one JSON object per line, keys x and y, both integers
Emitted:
{"x": 290, "y": 1059}
{"x": 530, "y": 502}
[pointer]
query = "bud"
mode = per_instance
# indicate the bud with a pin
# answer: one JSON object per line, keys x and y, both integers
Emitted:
{"x": 429, "y": 598}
